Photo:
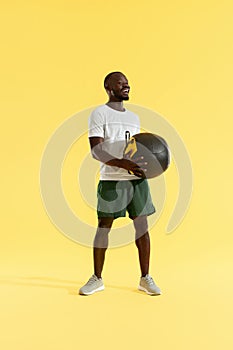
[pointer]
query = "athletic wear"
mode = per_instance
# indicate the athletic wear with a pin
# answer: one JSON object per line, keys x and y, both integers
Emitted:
{"x": 112, "y": 125}
{"x": 118, "y": 191}
{"x": 148, "y": 285}
{"x": 93, "y": 285}
{"x": 117, "y": 197}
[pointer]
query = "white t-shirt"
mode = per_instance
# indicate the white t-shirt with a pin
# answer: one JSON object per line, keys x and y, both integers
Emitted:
{"x": 112, "y": 126}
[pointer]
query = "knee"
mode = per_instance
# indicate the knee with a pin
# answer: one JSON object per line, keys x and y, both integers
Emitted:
{"x": 105, "y": 223}
{"x": 141, "y": 226}
{"x": 104, "y": 227}
{"x": 101, "y": 237}
{"x": 101, "y": 240}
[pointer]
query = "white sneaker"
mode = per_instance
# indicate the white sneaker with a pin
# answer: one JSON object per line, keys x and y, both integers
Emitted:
{"x": 93, "y": 285}
{"x": 148, "y": 285}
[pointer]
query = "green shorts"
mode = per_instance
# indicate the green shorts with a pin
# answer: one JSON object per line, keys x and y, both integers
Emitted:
{"x": 117, "y": 197}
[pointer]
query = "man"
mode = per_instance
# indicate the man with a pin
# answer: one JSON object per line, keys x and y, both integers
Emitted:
{"x": 122, "y": 187}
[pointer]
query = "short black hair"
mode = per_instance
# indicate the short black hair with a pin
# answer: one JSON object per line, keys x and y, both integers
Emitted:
{"x": 108, "y": 77}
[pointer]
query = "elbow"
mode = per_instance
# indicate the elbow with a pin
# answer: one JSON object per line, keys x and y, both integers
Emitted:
{"x": 94, "y": 154}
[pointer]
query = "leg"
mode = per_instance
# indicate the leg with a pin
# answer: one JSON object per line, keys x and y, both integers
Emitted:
{"x": 142, "y": 240}
{"x": 101, "y": 244}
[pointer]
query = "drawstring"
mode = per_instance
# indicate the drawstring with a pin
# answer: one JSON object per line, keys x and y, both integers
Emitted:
{"x": 127, "y": 137}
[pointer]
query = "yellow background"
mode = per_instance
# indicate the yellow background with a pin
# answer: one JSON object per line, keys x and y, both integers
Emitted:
{"x": 178, "y": 58}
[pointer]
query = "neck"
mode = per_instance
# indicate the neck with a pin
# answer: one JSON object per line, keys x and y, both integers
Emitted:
{"x": 117, "y": 105}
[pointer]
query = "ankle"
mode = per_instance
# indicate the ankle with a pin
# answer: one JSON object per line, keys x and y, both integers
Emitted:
{"x": 144, "y": 274}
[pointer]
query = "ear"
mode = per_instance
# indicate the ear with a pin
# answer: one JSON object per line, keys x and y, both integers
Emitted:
{"x": 108, "y": 92}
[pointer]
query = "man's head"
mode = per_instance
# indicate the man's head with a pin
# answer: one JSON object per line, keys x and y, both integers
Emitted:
{"x": 117, "y": 87}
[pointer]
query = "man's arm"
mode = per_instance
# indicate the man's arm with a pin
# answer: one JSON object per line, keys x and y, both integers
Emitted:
{"x": 98, "y": 153}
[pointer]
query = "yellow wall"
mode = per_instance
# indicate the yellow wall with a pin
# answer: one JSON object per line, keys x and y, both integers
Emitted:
{"x": 178, "y": 58}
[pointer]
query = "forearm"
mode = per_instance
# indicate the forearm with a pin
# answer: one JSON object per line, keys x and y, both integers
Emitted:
{"x": 99, "y": 154}
{"x": 125, "y": 163}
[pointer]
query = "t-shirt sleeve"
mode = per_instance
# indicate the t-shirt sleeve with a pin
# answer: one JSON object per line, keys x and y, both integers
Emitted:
{"x": 96, "y": 124}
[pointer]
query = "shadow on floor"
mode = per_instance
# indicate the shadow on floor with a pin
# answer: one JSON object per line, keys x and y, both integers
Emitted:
{"x": 72, "y": 287}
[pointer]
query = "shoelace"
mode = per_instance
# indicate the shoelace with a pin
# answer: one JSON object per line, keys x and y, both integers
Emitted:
{"x": 149, "y": 279}
{"x": 92, "y": 279}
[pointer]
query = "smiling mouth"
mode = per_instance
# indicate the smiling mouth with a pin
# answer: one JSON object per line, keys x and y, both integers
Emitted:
{"x": 125, "y": 91}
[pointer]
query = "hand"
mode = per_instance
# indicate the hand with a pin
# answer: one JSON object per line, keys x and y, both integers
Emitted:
{"x": 137, "y": 166}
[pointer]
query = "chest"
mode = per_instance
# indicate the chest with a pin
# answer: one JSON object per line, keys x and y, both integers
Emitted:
{"x": 115, "y": 127}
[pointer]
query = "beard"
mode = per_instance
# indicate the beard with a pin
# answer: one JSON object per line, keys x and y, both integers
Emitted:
{"x": 120, "y": 97}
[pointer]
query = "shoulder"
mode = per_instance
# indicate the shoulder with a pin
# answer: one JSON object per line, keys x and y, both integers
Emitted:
{"x": 98, "y": 113}
{"x": 100, "y": 109}
{"x": 132, "y": 113}
{"x": 132, "y": 116}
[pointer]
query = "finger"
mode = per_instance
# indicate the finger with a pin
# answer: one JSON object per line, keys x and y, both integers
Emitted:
{"x": 138, "y": 159}
{"x": 139, "y": 172}
{"x": 140, "y": 169}
{"x": 128, "y": 154}
{"x": 140, "y": 163}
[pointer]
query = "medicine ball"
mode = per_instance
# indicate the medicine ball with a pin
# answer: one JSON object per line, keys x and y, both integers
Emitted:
{"x": 154, "y": 150}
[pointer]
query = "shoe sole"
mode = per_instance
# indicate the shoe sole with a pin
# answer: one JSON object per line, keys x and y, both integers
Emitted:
{"x": 92, "y": 292}
{"x": 149, "y": 293}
